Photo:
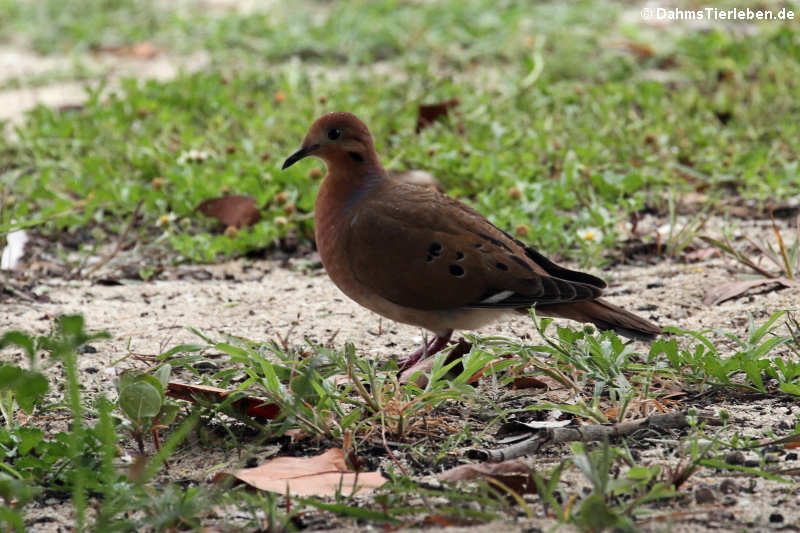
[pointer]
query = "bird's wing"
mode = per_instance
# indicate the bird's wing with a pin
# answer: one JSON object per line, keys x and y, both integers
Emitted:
{"x": 421, "y": 249}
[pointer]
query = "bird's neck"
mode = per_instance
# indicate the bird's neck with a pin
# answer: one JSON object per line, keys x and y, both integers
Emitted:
{"x": 342, "y": 189}
{"x": 341, "y": 192}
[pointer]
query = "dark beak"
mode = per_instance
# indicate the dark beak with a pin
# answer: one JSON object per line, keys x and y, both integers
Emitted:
{"x": 298, "y": 155}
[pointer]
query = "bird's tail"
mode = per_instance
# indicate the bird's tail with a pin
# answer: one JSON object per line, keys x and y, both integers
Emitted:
{"x": 605, "y": 316}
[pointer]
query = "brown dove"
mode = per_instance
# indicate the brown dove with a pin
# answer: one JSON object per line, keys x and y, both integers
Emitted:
{"x": 415, "y": 255}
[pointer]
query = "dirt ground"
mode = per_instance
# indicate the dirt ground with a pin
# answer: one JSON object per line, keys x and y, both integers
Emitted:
{"x": 263, "y": 299}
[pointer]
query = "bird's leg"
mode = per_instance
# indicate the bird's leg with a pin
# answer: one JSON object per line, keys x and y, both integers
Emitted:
{"x": 436, "y": 345}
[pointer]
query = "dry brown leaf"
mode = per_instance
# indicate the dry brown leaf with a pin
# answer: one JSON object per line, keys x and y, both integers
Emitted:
{"x": 255, "y": 407}
{"x": 296, "y": 435}
{"x": 700, "y": 254}
{"x": 728, "y": 291}
{"x": 143, "y": 50}
{"x": 235, "y": 210}
{"x": 641, "y": 50}
{"x": 427, "y": 114}
{"x": 528, "y": 382}
{"x": 323, "y": 475}
{"x": 515, "y": 475}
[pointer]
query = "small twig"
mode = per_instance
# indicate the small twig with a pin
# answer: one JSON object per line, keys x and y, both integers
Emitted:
{"x": 389, "y": 451}
{"x": 120, "y": 242}
{"x": 741, "y": 258}
{"x": 766, "y": 253}
{"x": 7, "y": 287}
{"x": 594, "y": 432}
{"x": 781, "y": 246}
{"x": 679, "y": 514}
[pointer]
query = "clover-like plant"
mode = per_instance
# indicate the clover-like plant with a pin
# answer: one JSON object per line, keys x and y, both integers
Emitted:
{"x": 143, "y": 401}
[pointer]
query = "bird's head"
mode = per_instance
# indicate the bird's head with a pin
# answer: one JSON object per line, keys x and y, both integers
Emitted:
{"x": 336, "y": 137}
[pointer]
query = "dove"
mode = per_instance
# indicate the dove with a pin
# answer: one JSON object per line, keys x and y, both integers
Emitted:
{"x": 415, "y": 255}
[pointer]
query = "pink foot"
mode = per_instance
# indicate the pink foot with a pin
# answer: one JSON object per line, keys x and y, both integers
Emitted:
{"x": 434, "y": 346}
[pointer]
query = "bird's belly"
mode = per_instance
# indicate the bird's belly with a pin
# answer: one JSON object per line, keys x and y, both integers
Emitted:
{"x": 439, "y": 321}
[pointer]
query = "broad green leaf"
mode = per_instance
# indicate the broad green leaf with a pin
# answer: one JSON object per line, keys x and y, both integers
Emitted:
{"x": 162, "y": 374}
{"x": 28, "y": 439}
{"x": 17, "y": 338}
{"x": 140, "y": 400}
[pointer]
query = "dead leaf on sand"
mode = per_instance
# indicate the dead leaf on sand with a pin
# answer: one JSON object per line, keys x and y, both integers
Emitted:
{"x": 234, "y": 211}
{"x": 255, "y": 407}
{"x": 515, "y": 475}
{"x": 728, "y": 291}
{"x": 143, "y": 50}
{"x": 323, "y": 475}
{"x": 428, "y": 114}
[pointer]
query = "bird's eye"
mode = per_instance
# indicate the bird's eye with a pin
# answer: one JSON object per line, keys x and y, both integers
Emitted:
{"x": 334, "y": 134}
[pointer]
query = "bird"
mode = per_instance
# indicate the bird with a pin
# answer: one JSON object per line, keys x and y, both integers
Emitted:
{"x": 415, "y": 255}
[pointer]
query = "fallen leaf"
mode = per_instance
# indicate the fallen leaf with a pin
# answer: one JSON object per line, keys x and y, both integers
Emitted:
{"x": 700, "y": 254}
{"x": 255, "y": 407}
{"x": 296, "y": 435}
{"x": 427, "y": 114}
{"x": 323, "y": 475}
{"x": 143, "y": 50}
{"x": 235, "y": 210}
{"x": 515, "y": 475}
{"x": 641, "y": 50}
{"x": 728, "y": 291}
{"x": 528, "y": 382}
{"x": 789, "y": 442}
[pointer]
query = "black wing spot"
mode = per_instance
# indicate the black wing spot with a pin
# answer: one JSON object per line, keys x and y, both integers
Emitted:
{"x": 521, "y": 263}
{"x": 355, "y": 156}
{"x": 435, "y": 249}
{"x": 501, "y": 266}
{"x": 494, "y": 241}
{"x": 459, "y": 256}
{"x": 457, "y": 271}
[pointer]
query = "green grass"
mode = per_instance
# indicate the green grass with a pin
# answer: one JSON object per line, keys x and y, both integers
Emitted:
{"x": 551, "y": 102}
{"x": 564, "y": 128}
{"x": 83, "y": 463}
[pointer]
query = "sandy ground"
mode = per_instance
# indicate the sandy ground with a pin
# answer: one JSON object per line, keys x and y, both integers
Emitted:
{"x": 265, "y": 300}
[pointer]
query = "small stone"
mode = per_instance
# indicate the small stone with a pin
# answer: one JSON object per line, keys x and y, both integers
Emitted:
{"x": 729, "y": 501}
{"x": 735, "y": 458}
{"x": 205, "y": 367}
{"x": 704, "y": 494}
{"x": 514, "y": 193}
{"x": 776, "y": 518}
{"x": 728, "y": 486}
